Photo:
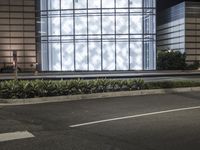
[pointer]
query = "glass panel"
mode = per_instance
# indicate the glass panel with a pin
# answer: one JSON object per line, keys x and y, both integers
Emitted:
{"x": 135, "y": 3}
{"x": 44, "y": 25}
{"x": 68, "y": 56}
{"x": 122, "y": 56}
{"x": 44, "y": 60}
{"x": 136, "y": 56}
{"x": 80, "y": 3}
{"x": 136, "y": 24}
{"x": 94, "y": 56}
{"x": 54, "y": 56}
{"x": 108, "y": 3}
{"x": 94, "y": 25}
{"x": 108, "y": 56}
{"x": 81, "y": 56}
{"x": 149, "y": 24}
{"x": 122, "y": 24}
{"x": 121, "y": 3}
{"x": 54, "y": 26}
{"x": 94, "y": 3}
{"x": 66, "y": 4}
{"x": 67, "y": 25}
{"x": 149, "y": 55}
{"x": 43, "y": 5}
{"x": 108, "y": 25}
{"x": 53, "y": 4}
{"x": 149, "y": 3}
{"x": 81, "y": 25}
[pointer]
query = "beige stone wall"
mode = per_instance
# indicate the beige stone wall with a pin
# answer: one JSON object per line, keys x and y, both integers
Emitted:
{"x": 192, "y": 39}
{"x": 17, "y": 33}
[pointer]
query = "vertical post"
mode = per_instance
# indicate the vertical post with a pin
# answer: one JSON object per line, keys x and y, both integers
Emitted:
{"x": 144, "y": 57}
{"x": 15, "y": 63}
{"x": 36, "y": 69}
{"x": 101, "y": 11}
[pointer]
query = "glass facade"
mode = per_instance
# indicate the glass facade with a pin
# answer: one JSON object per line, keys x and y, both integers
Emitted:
{"x": 89, "y": 35}
{"x": 179, "y": 30}
{"x": 171, "y": 29}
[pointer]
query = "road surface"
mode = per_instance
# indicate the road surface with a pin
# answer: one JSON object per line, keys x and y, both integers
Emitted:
{"x": 157, "y": 122}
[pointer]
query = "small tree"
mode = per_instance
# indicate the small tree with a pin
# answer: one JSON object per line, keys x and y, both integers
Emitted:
{"x": 171, "y": 60}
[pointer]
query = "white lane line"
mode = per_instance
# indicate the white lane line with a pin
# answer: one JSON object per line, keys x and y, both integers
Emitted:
{"x": 134, "y": 116}
{"x": 15, "y": 136}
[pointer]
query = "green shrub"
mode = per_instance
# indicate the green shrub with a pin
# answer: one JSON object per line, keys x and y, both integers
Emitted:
{"x": 43, "y": 88}
{"x": 171, "y": 60}
{"x": 130, "y": 84}
{"x": 171, "y": 84}
{"x": 139, "y": 84}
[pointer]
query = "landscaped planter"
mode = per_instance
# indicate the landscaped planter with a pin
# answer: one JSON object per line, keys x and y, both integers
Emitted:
{"x": 23, "y": 89}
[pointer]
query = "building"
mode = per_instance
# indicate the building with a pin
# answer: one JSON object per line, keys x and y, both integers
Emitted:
{"x": 79, "y": 35}
{"x": 17, "y": 33}
{"x": 89, "y": 35}
{"x": 179, "y": 30}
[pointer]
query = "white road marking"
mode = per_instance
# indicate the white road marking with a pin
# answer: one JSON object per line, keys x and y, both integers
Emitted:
{"x": 134, "y": 116}
{"x": 15, "y": 136}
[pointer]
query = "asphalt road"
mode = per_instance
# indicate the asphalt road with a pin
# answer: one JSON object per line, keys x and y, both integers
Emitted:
{"x": 157, "y": 122}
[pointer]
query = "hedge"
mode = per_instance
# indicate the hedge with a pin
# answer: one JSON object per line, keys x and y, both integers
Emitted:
{"x": 14, "y": 89}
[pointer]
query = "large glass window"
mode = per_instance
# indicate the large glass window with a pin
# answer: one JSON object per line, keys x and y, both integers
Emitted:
{"x": 80, "y": 4}
{"x": 53, "y": 4}
{"x": 68, "y": 56}
{"x": 90, "y": 35}
{"x": 95, "y": 56}
{"x": 121, "y": 4}
{"x": 108, "y": 56}
{"x": 81, "y": 56}
{"x": 66, "y": 4}
{"x": 94, "y": 3}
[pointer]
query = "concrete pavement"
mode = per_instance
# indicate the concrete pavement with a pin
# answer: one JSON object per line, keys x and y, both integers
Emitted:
{"x": 51, "y": 124}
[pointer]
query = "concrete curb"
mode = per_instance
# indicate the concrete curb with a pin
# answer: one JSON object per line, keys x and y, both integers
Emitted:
{"x": 41, "y": 100}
